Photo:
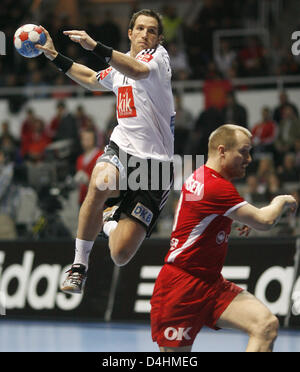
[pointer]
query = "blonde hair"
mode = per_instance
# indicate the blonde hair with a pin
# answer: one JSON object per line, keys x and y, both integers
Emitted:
{"x": 225, "y": 135}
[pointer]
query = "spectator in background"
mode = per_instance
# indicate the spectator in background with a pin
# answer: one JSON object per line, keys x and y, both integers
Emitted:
{"x": 297, "y": 153}
{"x": 110, "y": 124}
{"x": 179, "y": 62}
{"x": 81, "y": 117}
{"x": 33, "y": 145}
{"x": 86, "y": 161}
{"x": 198, "y": 37}
{"x": 288, "y": 172}
{"x": 275, "y": 55}
{"x": 205, "y": 124}
{"x": 289, "y": 65}
{"x": 288, "y": 132}
{"x": 172, "y": 24}
{"x": 273, "y": 187}
{"x": 264, "y": 133}
{"x": 85, "y": 121}
{"x": 265, "y": 167}
{"x": 59, "y": 82}
{"x": 254, "y": 194}
{"x": 64, "y": 127}
{"x": 252, "y": 59}
{"x": 36, "y": 81}
{"x": 249, "y": 12}
{"x": 233, "y": 112}
{"x": 54, "y": 123}
{"x": 210, "y": 17}
{"x": 2, "y": 74}
{"x": 9, "y": 198}
{"x": 225, "y": 58}
{"x": 27, "y": 124}
{"x": 8, "y": 144}
{"x": 106, "y": 29}
{"x": 283, "y": 103}
{"x": 183, "y": 127}
{"x": 215, "y": 88}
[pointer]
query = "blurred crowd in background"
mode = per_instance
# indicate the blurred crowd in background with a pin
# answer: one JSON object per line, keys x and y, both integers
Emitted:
{"x": 190, "y": 44}
{"x": 60, "y": 154}
{"x": 51, "y": 159}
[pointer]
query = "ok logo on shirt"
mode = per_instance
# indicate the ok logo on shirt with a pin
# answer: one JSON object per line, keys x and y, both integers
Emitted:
{"x": 126, "y": 107}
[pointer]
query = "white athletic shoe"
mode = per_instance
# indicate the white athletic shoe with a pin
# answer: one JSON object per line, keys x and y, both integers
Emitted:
{"x": 75, "y": 281}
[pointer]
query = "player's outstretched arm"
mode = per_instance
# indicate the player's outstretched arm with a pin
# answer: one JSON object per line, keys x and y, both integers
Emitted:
{"x": 83, "y": 75}
{"x": 265, "y": 218}
{"x": 124, "y": 63}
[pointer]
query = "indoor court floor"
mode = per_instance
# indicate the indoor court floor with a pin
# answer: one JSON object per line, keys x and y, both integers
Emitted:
{"x": 46, "y": 336}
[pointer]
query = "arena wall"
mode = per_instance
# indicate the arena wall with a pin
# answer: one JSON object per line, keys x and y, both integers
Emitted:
{"x": 100, "y": 107}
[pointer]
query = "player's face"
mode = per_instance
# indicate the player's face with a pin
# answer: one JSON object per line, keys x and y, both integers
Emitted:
{"x": 238, "y": 158}
{"x": 87, "y": 140}
{"x": 144, "y": 34}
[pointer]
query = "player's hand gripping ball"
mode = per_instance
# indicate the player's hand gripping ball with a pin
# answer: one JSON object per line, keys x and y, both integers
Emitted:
{"x": 25, "y": 39}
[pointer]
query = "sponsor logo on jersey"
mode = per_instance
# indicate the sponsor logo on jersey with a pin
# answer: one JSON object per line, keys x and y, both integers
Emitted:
{"x": 116, "y": 161}
{"x": 221, "y": 237}
{"x": 177, "y": 334}
{"x": 145, "y": 57}
{"x": 173, "y": 244}
{"x": 104, "y": 73}
{"x": 142, "y": 213}
{"x": 126, "y": 107}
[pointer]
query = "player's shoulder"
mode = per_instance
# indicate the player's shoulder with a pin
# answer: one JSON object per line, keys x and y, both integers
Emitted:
{"x": 146, "y": 55}
{"x": 102, "y": 74}
{"x": 214, "y": 183}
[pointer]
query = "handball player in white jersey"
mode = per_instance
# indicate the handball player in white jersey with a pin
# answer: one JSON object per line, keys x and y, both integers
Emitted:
{"x": 190, "y": 291}
{"x": 141, "y": 81}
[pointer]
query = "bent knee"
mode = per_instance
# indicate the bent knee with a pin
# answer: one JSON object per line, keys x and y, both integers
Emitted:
{"x": 121, "y": 254}
{"x": 105, "y": 177}
{"x": 104, "y": 182}
{"x": 267, "y": 328}
{"x": 121, "y": 257}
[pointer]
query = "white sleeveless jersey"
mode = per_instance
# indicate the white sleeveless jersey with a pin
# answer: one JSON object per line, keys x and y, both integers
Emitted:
{"x": 145, "y": 108}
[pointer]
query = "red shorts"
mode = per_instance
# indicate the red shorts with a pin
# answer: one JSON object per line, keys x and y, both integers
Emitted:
{"x": 182, "y": 304}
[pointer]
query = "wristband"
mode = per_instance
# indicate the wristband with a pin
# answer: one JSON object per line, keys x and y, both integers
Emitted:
{"x": 62, "y": 62}
{"x": 103, "y": 52}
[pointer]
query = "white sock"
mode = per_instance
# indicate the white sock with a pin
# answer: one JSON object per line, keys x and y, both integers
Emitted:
{"x": 109, "y": 226}
{"x": 82, "y": 252}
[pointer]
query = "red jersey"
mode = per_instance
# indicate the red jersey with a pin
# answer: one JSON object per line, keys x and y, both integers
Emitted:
{"x": 201, "y": 227}
{"x": 264, "y": 133}
{"x": 87, "y": 163}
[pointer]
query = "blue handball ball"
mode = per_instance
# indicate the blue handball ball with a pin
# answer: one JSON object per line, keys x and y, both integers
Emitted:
{"x": 25, "y": 39}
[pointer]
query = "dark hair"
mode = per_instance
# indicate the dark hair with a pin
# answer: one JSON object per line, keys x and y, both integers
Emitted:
{"x": 148, "y": 13}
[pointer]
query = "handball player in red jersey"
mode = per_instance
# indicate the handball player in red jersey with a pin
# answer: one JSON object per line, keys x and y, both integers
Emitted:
{"x": 190, "y": 291}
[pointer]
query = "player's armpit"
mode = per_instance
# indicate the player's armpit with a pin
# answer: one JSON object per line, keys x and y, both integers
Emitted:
{"x": 85, "y": 77}
{"x": 96, "y": 85}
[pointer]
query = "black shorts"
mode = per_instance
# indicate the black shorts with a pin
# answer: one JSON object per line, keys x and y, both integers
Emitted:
{"x": 144, "y": 186}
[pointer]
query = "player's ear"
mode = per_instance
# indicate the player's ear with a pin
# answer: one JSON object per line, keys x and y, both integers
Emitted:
{"x": 221, "y": 150}
{"x": 161, "y": 39}
{"x": 129, "y": 34}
